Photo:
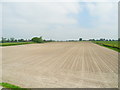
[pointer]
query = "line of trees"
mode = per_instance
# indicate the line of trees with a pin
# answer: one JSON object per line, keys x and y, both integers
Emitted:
{"x": 41, "y": 40}
{"x": 103, "y": 39}
{"x": 4, "y": 40}
{"x": 34, "y": 39}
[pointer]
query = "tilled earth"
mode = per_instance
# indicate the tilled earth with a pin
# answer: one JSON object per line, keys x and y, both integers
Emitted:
{"x": 60, "y": 65}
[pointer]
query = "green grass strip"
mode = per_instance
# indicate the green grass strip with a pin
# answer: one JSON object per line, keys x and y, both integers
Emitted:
{"x": 7, "y": 85}
{"x": 15, "y": 43}
{"x": 107, "y": 46}
{"x": 12, "y": 87}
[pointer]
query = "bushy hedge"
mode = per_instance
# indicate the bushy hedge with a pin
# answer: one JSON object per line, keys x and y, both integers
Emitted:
{"x": 37, "y": 39}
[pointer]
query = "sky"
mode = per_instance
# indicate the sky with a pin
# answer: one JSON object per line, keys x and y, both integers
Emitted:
{"x": 60, "y": 20}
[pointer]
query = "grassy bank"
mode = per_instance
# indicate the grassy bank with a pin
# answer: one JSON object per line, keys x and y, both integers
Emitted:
{"x": 12, "y": 87}
{"x": 7, "y": 85}
{"x": 15, "y": 43}
{"x": 114, "y": 45}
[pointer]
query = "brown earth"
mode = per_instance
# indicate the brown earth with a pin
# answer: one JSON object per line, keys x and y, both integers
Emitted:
{"x": 60, "y": 65}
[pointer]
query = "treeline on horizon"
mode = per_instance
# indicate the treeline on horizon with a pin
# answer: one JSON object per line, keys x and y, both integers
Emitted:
{"x": 34, "y": 39}
{"x": 103, "y": 39}
{"x": 41, "y": 40}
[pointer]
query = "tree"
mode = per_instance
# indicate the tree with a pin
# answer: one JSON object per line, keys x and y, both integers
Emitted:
{"x": 3, "y": 40}
{"x": 80, "y": 39}
{"x": 113, "y": 40}
{"x": 12, "y": 39}
{"x": 109, "y": 39}
{"x": 118, "y": 39}
{"x": 102, "y": 39}
{"x": 16, "y": 40}
{"x": 21, "y": 40}
{"x": 37, "y": 39}
{"x": 8, "y": 40}
{"x": 91, "y": 39}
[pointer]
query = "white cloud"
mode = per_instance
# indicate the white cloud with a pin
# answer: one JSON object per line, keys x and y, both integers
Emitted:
{"x": 103, "y": 10}
{"x": 58, "y": 20}
{"x": 59, "y": 0}
{"x": 106, "y": 15}
{"x": 30, "y": 17}
{"x": 47, "y": 13}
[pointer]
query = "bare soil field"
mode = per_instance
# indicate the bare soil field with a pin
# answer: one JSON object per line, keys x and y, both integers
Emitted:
{"x": 60, "y": 65}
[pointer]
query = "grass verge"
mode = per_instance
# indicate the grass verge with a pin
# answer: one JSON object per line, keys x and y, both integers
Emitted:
{"x": 15, "y": 43}
{"x": 113, "y": 47}
{"x": 7, "y": 85}
{"x": 11, "y": 86}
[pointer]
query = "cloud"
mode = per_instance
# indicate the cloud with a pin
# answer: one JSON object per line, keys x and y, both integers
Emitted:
{"x": 60, "y": 21}
{"x": 42, "y": 12}
{"x": 107, "y": 16}
{"x": 59, "y": 0}
{"x": 31, "y": 16}
{"x": 103, "y": 10}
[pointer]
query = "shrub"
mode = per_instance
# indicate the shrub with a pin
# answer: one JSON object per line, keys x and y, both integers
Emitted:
{"x": 37, "y": 39}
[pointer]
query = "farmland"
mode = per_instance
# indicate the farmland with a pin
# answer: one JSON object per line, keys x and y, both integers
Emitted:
{"x": 60, "y": 65}
{"x": 110, "y": 44}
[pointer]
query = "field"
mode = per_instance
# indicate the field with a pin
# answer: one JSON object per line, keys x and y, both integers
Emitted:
{"x": 110, "y": 44}
{"x": 15, "y": 43}
{"x": 60, "y": 65}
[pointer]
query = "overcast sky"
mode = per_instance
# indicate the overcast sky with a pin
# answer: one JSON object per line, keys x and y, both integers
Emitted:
{"x": 60, "y": 20}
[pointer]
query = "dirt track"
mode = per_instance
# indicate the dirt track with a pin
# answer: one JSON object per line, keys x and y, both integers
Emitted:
{"x": 60, "y": 65}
